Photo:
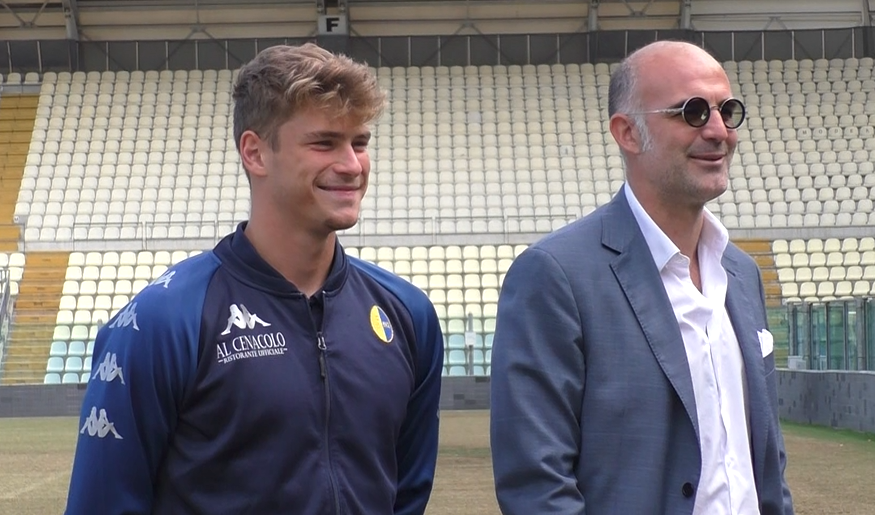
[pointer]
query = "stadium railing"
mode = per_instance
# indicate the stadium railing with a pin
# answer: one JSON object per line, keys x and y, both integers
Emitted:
{"x": 372, "y": 226}
{"x": 5, "y": 313}
{"x": 832, "y": 335}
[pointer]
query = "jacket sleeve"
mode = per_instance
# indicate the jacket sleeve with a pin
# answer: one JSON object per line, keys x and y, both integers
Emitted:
{"x": 538, "y": 375}
{"x": 418, "y": 440}
{"x": 785, "y": 488}
{"x": 144, "y": 359}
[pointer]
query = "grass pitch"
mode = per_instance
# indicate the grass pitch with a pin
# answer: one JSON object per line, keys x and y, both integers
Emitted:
{"x": 830, "y": 472}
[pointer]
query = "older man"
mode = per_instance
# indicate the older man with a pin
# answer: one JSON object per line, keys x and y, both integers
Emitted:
{"x": 632, "y": 368}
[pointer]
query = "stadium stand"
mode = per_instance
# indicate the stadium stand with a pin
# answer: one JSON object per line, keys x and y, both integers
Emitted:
{"x": 825, "y": 269}
{"x": 460, "y": 150}
{"x": 103, "y": 157}
{"x": 805, "y": 153}
{"x": 451, "y": 148}
{"x": 17, "y": 115}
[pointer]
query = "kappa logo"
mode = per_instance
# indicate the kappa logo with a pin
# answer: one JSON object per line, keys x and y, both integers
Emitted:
{"x": 243, "y": 319}
{"x": 165, "y": 279}
{"x": 99, "y": 425}
{"x": 108, "y": 370}
{"x": 126, "y": 317}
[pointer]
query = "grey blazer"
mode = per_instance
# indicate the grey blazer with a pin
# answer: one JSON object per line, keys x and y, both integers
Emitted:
{"x": 592, "y": 400}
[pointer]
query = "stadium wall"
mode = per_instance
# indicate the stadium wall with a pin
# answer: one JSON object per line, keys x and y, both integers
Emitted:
{"x": 40, "y": 56}
{"x": 827, "y": 398}
{"x": 65, "y": 400}
{"x": 833, "y": 399}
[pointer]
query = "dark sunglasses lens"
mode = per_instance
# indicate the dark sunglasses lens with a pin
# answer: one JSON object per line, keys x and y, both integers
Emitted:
{"x": 732, "y": 112}
{"x": 697, "y": 111}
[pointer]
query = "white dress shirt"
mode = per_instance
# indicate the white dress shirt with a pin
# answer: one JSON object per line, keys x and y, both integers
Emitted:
{"x": 726, "y": 485}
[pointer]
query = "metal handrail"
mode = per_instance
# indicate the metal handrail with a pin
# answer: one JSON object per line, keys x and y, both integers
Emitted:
{"x": 430, "y": 226}
{"x": 5, "y": 313}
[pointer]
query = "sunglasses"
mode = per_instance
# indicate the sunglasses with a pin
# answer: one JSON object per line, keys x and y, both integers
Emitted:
{"x": 696, "y": 112}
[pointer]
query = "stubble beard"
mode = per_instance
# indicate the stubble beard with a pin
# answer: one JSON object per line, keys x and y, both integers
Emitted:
{"x": 342, "y": 223}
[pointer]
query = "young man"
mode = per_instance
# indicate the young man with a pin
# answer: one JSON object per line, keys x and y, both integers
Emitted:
{"x": 273, "y": 374}
{"x": 632, "y": 368}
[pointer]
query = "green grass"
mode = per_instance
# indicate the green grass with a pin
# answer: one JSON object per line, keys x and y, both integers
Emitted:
{"x": 465, "y": 452}
{"x": 829, "y": 471}
{"x": 866, "y": 441}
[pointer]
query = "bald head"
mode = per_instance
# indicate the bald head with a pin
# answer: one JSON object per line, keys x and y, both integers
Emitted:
{"x": 647, "y": 64}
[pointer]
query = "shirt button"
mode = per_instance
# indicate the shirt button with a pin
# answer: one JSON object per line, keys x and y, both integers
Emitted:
{"x": 687, "y": 490}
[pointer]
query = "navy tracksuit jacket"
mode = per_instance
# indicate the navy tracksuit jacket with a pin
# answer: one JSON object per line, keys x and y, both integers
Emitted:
{"x": 222, "y": 389}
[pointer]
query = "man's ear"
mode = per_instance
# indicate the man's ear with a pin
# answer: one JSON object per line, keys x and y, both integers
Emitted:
{"x": 625, "y": 133}
{"x": 252, "y": 149}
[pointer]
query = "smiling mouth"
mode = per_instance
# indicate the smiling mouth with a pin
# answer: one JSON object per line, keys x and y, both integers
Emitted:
{"x": 713, "y": 158}
{"x": 339, "y": 188}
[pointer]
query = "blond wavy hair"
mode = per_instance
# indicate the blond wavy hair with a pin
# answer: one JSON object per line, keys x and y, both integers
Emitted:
{"x": 283, "y": 80}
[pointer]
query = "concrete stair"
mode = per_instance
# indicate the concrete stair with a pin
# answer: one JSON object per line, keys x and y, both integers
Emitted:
{"x": 17, "y": 116}
{"x": 33, "y": 319}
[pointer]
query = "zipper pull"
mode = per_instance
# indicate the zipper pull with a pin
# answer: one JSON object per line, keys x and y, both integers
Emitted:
{"x": 320, "y": 343}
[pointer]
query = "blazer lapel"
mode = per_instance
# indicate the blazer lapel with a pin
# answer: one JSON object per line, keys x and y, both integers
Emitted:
{"x": 740, "y": 309}
{"x": 639, "y": 278}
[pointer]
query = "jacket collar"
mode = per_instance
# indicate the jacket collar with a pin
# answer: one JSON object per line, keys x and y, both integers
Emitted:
{"x": 243, "y": 261}
{"x": 639, "y": 279}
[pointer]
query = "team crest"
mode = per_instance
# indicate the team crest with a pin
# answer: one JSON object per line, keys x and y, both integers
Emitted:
{"x": 381, "y": 325}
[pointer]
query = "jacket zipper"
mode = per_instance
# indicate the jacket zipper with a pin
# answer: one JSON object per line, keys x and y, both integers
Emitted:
{"x": 323, "y": 369}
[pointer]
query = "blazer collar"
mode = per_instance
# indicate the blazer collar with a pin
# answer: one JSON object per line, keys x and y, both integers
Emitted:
{"x": 619, "y": 227}
{"x": 640, "y": 281}
{"x": 642, "y": 285}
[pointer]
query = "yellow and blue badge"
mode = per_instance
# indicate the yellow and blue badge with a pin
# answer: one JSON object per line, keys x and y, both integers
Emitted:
{"x": 381, "y": 325}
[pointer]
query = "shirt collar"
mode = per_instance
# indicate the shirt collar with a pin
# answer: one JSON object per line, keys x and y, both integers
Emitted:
{"x": 714, "y": 236}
